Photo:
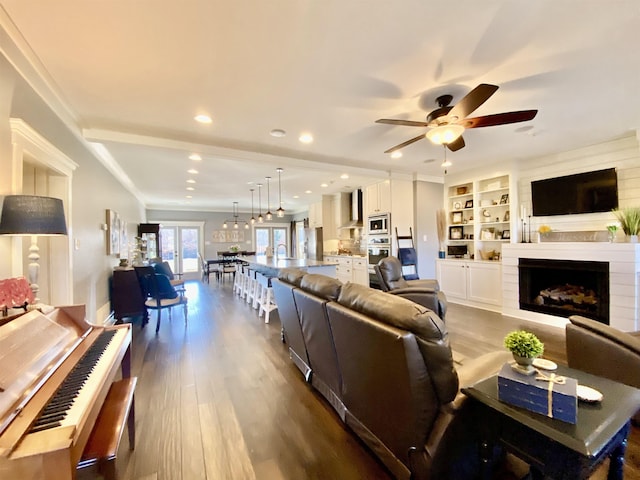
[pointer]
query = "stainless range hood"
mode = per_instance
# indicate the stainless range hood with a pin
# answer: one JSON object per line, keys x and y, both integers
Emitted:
{"x": 355, "y": 217}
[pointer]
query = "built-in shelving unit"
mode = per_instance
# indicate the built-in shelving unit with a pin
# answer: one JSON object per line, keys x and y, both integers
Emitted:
{"x": 479, "y": 218}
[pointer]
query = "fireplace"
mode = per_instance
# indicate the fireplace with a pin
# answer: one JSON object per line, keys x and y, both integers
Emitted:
{"x": 565, "y": 287}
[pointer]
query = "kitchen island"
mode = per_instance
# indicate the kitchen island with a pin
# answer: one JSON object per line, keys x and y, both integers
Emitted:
{"x": 270, "y": 266}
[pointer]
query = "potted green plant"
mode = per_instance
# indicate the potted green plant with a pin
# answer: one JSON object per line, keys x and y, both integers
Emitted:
{"x": 525, "y": 348}
{"x": 629, "y": 219}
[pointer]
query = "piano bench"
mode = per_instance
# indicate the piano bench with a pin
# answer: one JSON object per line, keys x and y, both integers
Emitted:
{"x": 103, "y": 443}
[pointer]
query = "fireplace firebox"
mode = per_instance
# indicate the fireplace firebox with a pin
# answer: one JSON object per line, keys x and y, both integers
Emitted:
{"x": 565, "y": 287}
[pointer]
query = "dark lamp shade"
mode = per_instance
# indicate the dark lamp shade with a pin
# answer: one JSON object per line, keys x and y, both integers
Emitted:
{"x": 32, "y": 215}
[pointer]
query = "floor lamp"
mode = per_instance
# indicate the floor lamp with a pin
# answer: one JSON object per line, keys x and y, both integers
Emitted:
{"x": 35, "y": 216}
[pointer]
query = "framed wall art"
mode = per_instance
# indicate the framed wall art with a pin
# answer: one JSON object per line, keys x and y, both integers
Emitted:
{"x": 113, "y": 232}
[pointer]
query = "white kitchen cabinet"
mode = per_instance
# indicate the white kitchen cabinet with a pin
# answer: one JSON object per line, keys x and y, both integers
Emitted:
{"x": 342, "y": 214}
{"x": 471, "y": 283}
{"x": 360, "y": 271}
{"x": 350, "y": 269}
{"x": 315, "y": 215}
{"x": 378, "y": 198}
{"x": 321, "y": 214}
{"x": 344, "y": 269}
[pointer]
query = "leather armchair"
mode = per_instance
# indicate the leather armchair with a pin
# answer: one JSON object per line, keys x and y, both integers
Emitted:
{"x": 424, "y": 292}
{"x": 599, "y": 349}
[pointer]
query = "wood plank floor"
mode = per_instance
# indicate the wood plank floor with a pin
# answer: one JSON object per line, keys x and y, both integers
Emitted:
{"x": 219, "y": 398}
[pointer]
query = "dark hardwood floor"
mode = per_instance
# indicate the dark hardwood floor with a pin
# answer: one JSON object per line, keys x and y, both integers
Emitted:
{"x": 219, "y": 398}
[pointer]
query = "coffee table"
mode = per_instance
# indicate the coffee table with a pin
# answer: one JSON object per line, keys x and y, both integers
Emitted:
{"x": 552, "y": 447}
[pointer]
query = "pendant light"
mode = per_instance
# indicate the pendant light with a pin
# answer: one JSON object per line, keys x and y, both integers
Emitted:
{"x": 280, "y": 211}
{"x": 235, "y": 215}
{"x": 260, "y": 219}
{"x": 268, "y": 214}
{"x": 253, "y": 219}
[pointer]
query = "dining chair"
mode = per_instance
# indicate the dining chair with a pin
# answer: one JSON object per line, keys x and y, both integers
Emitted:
{"x": 175, "y": 278}
{"x": 206, "y": 268}
{"x": 160, "y": 294}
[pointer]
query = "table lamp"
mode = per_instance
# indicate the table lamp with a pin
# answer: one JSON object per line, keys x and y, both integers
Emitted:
{"x": 32, "y": 215}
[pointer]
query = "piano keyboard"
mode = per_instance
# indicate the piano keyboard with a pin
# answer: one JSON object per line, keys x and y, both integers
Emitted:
{"x": 58, "y": 407}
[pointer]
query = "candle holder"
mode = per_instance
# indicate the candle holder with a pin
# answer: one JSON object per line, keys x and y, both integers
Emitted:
{"x": 524, "y": 232}
{"x": 529, "y": 241}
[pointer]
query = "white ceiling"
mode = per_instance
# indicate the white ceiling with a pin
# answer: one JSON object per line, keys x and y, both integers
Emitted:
{"x": 134, "y": 73}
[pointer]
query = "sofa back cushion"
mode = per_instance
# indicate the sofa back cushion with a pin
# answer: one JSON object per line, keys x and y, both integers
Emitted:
{"x": 430, "y": 330}
{"x": 291, "y": 275}
{"x": 321, "y": 286}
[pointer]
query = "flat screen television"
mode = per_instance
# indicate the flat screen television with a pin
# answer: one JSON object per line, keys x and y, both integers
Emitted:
{"x": 580, "y": 193}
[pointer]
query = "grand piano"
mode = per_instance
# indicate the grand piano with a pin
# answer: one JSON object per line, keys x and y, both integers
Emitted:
{"x": 55, "y": 373}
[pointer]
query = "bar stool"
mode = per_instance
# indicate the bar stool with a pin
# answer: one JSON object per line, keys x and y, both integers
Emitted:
{"x": 267, "y": 301}
{"x": 238, "y": 281}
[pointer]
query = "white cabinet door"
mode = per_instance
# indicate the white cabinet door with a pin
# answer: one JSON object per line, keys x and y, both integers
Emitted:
{"x": 484, "y": 282}
{"x": 360, "y": 271}
{"x": 452, "y": 276}
{"x": 315, "y": 215}
{"x": 378, "y": 198}
{"x": 384, "y": 196}
{"x": 344, "y": 269}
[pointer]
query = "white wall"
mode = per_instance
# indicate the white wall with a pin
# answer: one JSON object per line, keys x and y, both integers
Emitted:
{"x": 428, "y": 199}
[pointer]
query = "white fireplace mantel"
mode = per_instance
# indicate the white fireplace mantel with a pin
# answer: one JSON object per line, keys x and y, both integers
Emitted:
{"x": 624, "y": 277}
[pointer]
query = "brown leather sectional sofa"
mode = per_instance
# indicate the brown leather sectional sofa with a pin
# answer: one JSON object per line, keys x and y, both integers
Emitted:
{"x": 385, "y": 365}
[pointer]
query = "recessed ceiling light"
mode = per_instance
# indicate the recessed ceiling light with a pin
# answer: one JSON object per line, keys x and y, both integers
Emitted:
{"x": 324, "y": 185}
{"x": 195, "y": 156}
{"x": 202, "y": 118}
{"x": 191, "y": 189}
{"x": 191, "y": 180}
{"x": 192, "y": 171}
{"x": 277, "y": 132}
{"x": 306, "y": 138}
{"x": 296, "y": 196}
{"x": 188, "y": 196}
{"x": 344, "y": 176}
{"x": 396, "y": 154}
{"x": 307, "y": 191}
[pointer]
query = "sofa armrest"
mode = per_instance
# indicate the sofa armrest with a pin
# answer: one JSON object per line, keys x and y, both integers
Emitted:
{"x": 424, "y": 283}
{"x": 427, "y": 297}
{"x": 476, "y": 370}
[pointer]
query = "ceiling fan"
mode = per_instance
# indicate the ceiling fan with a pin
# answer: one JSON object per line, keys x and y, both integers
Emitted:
{"x": 449, "y": 122}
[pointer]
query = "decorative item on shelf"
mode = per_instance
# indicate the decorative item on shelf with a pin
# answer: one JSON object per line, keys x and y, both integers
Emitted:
{"x": 543, "y": 232}
{"x": 504, "y": 199}
{"x": 456, "y": 217}
{"x": 457, "y": 205}
{"x": 461, "y": 190}
{"x": 629, "y": 219}
{"x": 441, "y": 222}
{"x": 612, "y": 229}
{"x": 468, "y": 204}
{"x": 489, "y": 255}
{"x": 525, "y": 348}
{"x": 32, "y": 215}
{"x": 280, "y": 211}
{"x": 507, "y": 216}
{"x": 455, "y": 233}
{"x": 506, "y": 235}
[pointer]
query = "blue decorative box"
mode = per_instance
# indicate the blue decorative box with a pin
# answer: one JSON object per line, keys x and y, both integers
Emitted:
{"x": 545, "y": 392}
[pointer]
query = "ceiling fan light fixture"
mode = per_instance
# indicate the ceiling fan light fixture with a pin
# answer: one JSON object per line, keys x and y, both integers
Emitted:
{"x": 445, "y": 134}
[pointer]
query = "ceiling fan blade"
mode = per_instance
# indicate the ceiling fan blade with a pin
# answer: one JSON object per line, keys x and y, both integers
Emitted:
{"x": 406, "y": 123}
{"x": 499, "y": 119}
{"x": 456, "y": 145}
{"x": 404, "y": 144}
{"x": 472, "y": 100}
